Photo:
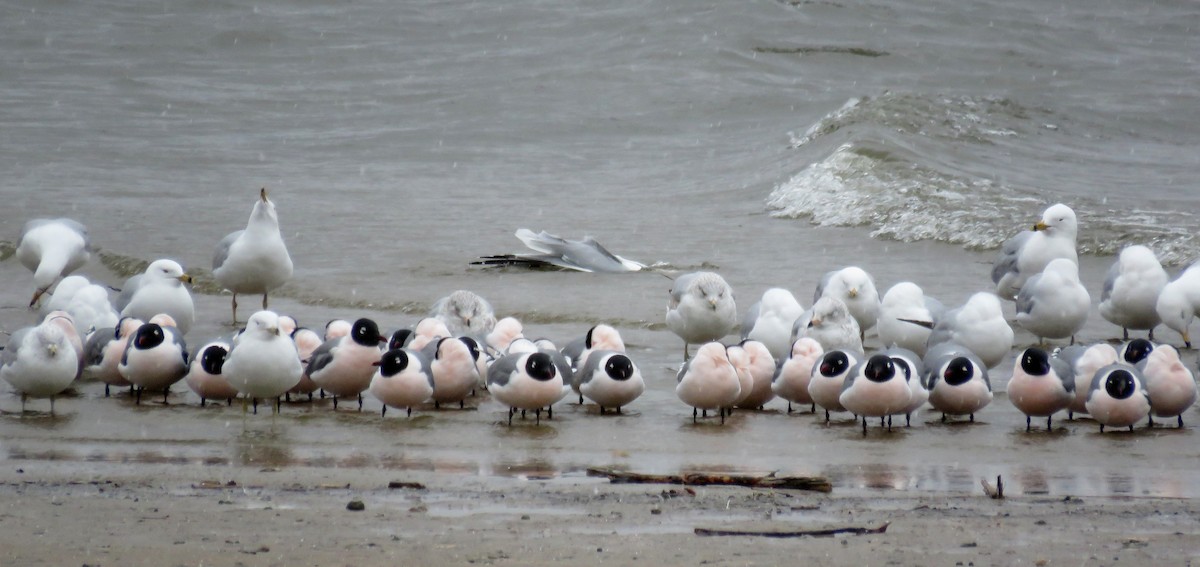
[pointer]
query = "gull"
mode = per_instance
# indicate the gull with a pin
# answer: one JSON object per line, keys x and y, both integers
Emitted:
{"x": 1135, "y": 351}
{"x": 63, "y": 292}
{"x": 913, "y": 369}
{"x": 1179, "y": 302}
{"x": 770, "y": 320}
{"x": 1040, "y": 386}
{"x": 427, "y": 330}
{"x": 856, "y": 288}
{"x": 585, "y": 255}
{"x": 204, "y": 375}
{"x": 156, "y": 357}
{"x": 1084, "y": 363}
{"x": 1117, "y": 397}
{"x": 611, "y": 379}
{"x": 708, "y": 381}
{"x": 91, "y": 309}
{"x": 829, "y": 377}
{"x": 454, "y": 362}
{"x": 264, "y": 364}
{"x": 1170, "y": 385}
{"x": 503, "y": 333}
{"x": 874, "y": 388}
{"x": 701, "y": 309}
{"x": 829, "y": 323}
{"x": 1131, "y": 291}
{"x": 52, "y": 249}
{"x": 344, "y": 366}
{"x": 1028, "y": 252}
{"x": 526, "y": 381}
{"x": 307, "y": 342}
{"x": 1054, "y": 304}
{"x": 104, "y": 350}
{"x": 761, "y": 368}
{"x": 795, "y": 371}
{"x": 253, "y": 260}
{"x": 39, "y": 362}
{"x": 957, "y": 380}
{"x": 159, "y": 289}
{"x": 599, "y": 337}
{"x": 465, "y": 313}
{"x": 904, "y": 303}
{"x": 402, "y": 381}
{"x": 979, "y": 326}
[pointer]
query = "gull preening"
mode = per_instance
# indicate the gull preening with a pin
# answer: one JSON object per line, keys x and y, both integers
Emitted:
{"x": 52, "y": 249}
{"x": 555, "y": 252}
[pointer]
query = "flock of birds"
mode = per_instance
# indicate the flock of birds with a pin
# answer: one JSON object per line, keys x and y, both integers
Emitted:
{"x": 931, "y": 355}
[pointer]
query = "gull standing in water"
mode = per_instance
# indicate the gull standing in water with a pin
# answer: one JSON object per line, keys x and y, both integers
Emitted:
{"x": 52, "y": 249}
{"x": 264, "y": 363}
{"x": 1131, "y": 291}
{"x": 39, "y": 362}
{"x": 253, "y": 260}
{"x": 465, "y": 313}
{"x": 701, "y": 309}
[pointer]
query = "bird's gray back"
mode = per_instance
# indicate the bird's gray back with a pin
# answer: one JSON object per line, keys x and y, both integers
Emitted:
{"x": 1007, "y": 262}
{"x": 222, "y": 252}
{"x": 750, "y": 318}
{"x": 128, "y": 290}
{"x": 502, "y": 369}
{"x": 322, "y": 356}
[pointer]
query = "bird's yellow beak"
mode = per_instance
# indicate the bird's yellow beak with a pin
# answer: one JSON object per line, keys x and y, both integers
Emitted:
{"x": 815, "y": 322}
{"x": 853, "y": 292}
{"x": 185, "y": 279}
{"x": 52, "y": 349}
{"x": 262, "y": 194}
{"x": 1041, "y": 226}
{"x": 273, "y": 330}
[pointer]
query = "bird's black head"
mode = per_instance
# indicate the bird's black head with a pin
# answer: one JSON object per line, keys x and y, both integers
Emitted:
{"x": 1138, "y": 350}
{"x": 959, "y": 371}
{"x": 148, "y": 336}
{"x": 472, "y": 345}
{"x": 540, "y": 367}
{"x": 1035, "y": 362}
{"x": 879, "y": 368}
{"x": 1120, "y": 384}
{"x": 399, "y": 338}
{"x": 393, "y": 362}
{"x": 213, "y": 359}
{"x": 365, "y": 332}
{"x": 587, "y": 339}
{"x": 835, "y": 362}
{"x": 904, "y": 367}
{"x": 618, "y": 367}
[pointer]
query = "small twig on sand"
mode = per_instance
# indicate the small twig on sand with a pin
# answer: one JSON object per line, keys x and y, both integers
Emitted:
{"x": 995, "y": 492}
{"x": 802, "y": 533}
{"x": 815, "y": 483}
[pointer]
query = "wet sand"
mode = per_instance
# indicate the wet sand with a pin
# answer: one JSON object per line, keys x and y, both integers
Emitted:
{"x": 106, "y": 481}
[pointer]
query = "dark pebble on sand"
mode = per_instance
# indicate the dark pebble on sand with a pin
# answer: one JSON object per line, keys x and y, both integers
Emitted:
{"x": 356, "y": 506}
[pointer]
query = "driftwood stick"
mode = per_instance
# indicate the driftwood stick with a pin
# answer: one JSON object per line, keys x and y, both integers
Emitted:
{"x": 802, "y": 533}
{"x": 815, "y": 483}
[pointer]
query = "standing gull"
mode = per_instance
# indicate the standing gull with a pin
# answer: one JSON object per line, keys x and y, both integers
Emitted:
{"x": 465, "y": 313}
{"x": 1040, "y": 386}
{"x": 264, "y": 364}
{"x": 39, "y": 362}
{"x": 1179, "y": 302}
{"x": 1028, "y": 252}
{"x": 770, "y": 320}
{"x": 52, "y": 249}
{"x": 904, "y": 303}
{"x": 958, "y": 381}
{"x": 829, "y": 323}
{"x": 1131, "y": 291}
{"x": 708, "y": 381}
{"x": 795, "y": 372}
{"x": 1054, "y": 304}
{"x": 1170, "y": 385}
{"x": 343, "y": 366}
{"x": 204, "y": 375}
{"x": 527, "y": 381}
{"x": 979, "y": 326}
{"x": 874, "y": 388}
{"x": 159, "y": 289}
{"x": 402, "y": 381}
{"x": 1117, "y": 397}
{"x": 701, "y": 309}
{"x": 856, "y": 288}
{"x": 255, "y": 259}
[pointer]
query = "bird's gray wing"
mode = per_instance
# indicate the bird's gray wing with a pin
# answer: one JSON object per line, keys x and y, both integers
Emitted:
{"x": 128, "y": 290}
{"x": 943, "y": 328}
{"x": 564, "y": 367}
{"x": 682, "y": 283}
{"x": 426, "y": 369}
{"x": 1065, "y": 372}
{"x": 80, "y": 229}
{"x": 1109, "y": 281}
{"x": 750, "y": 318}
{"x": 222, "y": 252}
{"x": 574, "y": 349}
{"x": 853, "y": 373}
{"x": 821, "y": 285}
{"x": 93, "y": 351}
{"x": 683, "y": 370}
{"x": 321, "y": 357}
{"x": 585, "y": 374}
{"x": 502, "y": 369}
{"x": 29, "y": 226}
{"x": 935, "y": 308}
{"x": 177, "y": 338}
{"x": 1025, "y": 300}
{"x": 9, "y": 354}
{"x": 1007, "y": 262}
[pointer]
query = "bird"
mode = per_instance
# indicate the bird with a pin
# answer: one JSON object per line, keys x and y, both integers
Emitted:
{"x": 957, "y": 380}
{"x": 104, "y": 350}
{"x": 701, "y": 309}
{"x": 403, "y": 380}
{"x": 1170, "y": 385}
{"x": 1084, "y": 363}
{"x": 64, "y": 321}
{"x": 740, "y": 360}
{"x": 874, "y": 388}
{"x": 761, "y": 367}
{"x": 337, "y": 328}
{"x": 204, "y": 375}
{"x": 427, "y": 330}
{"x": 708, "y": 381}
{"x": 1029, "y": 252}
{"x": 910, "y": 365}
{"x": 1117, "y": 397}
{"x": 828, "y": 378}
{"x": 770, "y": 320}
{"x": 794, "y": 372}
{"x": 1135, "y": 351}
{"x": 599, "y": 337}
{"x": 856, "y": 288}
{"x": 307, "y": 342}
{"x": 90, "y": 308}
{"x": 903, "y": 303}
{"x": 1131, "y": 291}
{"x": 39, "y": 362}
{"x": 979, "y": 326}
{"x": 344, "y": 366}
{"x": 62, "y": 294}
{"x": 829, "y": 323}
{"x": 264, "y": 363}
{"x": 526, "y": 382}
{"x": 1054, "y": 304}
{"x": 160, "y": 289}
{"x": 1040, "y": 386}
{"x": 1179, "y": 302}
{"x": 585, "y": 255}
{"x": 465, "y": 313}
{"x": 155, "y": 357}
{"x": 504, "y": 332}
{"x": 456, "y": 372}
{"x": 52, "y": 249}
{"x": 255, "y": 259}
{"x": 611, "y": 379}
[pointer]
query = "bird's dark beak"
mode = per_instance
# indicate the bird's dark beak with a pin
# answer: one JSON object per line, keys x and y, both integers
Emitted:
{"x": 37, "y": 294}
{"x": 262, "y": 194}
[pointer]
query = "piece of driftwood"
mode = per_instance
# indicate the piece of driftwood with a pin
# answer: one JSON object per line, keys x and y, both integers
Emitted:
{"x": 995, "y": 492}
{"x": 802, "y": 533}
{"x": 814, "y": 483}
